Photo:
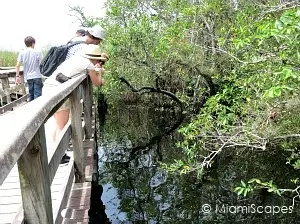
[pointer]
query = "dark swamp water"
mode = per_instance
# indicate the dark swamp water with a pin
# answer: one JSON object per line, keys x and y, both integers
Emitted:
{"x": 134, "y": 189}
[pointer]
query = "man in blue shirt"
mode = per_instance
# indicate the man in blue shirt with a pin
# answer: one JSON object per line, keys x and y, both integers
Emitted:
{"x": 31, "y": 60}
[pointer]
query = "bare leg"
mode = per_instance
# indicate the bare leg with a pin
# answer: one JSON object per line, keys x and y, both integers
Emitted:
{"x": 61, "y": 119}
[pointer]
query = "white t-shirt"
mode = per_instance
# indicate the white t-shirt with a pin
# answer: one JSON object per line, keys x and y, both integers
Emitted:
{"x": 76, "y": 48}
{"x": 31, "y": 59}
{"x": 71, "y": 67}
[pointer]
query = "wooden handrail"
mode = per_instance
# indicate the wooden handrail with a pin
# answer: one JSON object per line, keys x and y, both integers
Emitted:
{"x": 19, "y": 127}
{"x": 9, "y": 72}
{"x": 5, "y": 68}
{"x": 23, "y": 141}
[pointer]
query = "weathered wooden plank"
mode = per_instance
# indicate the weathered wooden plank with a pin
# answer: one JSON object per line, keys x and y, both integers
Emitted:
{"x": 76, "y": 221}
{"x": 9, "y": 208}
{"x": 8, "y": 199}
{"x": 59, "y": 151}
{"x": 58, "y": 184}
{"x": 6, "y": 218}
{"x": 89, "y": 162}
{"x": 36, "y": 112}
{"x": 23, "y": 87}
{"x": 13, "y": 104}
{"x": 76, "y": 214}
{"x": 78, "y": 193}
{"x": 81, "y": 186}
{"x": 77, "y": 135}
{"x": 64, "y": 193}
{"x": 78, "y": 202}
{"x": 5, "y": 87}
{"x": 78, "y": 205}
{"x": 34, "y": 181}
{"x": 87, "y": 107}
{"x": 10, "y": 186}
{"x": 84, "y": 200}
{"x": 5, "y": 83}
{"x": 59, "y": 180}
{"x": 12, "y": 179}
{"x": 14, "y": 172}
{"x": 6, "y": 68}
{"x": 11, "y": 71}
{"x": 11, "y": 192}
{"x": 10, "y": 90}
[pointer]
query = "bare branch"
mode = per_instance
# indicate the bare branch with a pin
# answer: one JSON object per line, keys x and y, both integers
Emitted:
{"x": 287, "y": 136}
{"x": 77, "y": 12}
{"x": 234, "y": 144}
{"x": 281, "y": 7}
{"x": 296, "y": 190}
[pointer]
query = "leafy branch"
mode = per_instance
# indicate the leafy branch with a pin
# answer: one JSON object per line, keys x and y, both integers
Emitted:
{"x": 255, "y": 184}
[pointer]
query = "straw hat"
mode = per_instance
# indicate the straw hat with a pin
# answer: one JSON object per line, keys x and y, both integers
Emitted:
{"x": 93, "y": 52}
{"x": 105, "y": 56}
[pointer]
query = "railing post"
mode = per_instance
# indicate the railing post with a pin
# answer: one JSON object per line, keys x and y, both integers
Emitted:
{"x": 87, "y": 106}
{"x": 34, "y": 181}
{"x": 5, "y": 85}
{"x": 5, "y": 82}
{"x": 77, "y": 135}
{"x": 23, "y": 90}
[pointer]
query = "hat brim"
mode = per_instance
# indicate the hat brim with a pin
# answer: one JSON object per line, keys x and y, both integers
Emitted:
{"x": 89, "y": 32}
{"x": 94, "y": 57}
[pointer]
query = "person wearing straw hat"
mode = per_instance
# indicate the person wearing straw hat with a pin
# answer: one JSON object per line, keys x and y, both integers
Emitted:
{"x": 90, "y": 63}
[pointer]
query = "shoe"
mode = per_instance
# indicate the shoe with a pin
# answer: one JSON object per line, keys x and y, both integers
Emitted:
{"x": 65, "y": 159}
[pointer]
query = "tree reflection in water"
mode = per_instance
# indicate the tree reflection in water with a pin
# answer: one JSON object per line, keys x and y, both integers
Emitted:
{"x": 137, "y": 190}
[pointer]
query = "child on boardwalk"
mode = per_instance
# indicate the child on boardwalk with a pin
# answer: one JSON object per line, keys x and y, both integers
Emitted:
{"x": 31, "y": 60}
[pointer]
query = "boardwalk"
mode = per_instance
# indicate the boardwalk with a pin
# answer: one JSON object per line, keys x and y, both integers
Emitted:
{"x": 76, "y": 208}
{"x": 70, "y": 200}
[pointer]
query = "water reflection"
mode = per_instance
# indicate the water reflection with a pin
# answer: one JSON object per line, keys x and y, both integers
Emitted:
{"x": 137, "y": 190}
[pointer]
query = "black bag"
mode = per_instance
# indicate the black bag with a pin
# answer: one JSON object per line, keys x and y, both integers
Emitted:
{"x": 54, "y": 57}
{"x": 61, "y": 78}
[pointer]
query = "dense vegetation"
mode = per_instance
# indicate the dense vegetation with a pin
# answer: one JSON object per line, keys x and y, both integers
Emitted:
{"x": 241, "y": 55}
{"x": 8, "y": 58}
{"x": 234, "y": 64}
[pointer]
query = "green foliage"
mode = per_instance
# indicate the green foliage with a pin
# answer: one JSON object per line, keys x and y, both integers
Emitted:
{"x": 261, "y": 80}
{"x": 254, "y": 184}
{"x": 295, "y": 181}
{"x": 296, "y": 164}
{"x": 244, "y": 189}
{"x": 146, "y": 39}
{"x": 8, "y": 58}
{"x": 249, "y": 49}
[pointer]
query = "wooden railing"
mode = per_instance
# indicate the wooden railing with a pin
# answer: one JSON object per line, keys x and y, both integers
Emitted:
{"x": 23, "y": 142}
{"x": 7, "y": 89}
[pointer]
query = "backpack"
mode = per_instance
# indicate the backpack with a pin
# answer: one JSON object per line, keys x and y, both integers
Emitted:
{"x": 54, "y": 57}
